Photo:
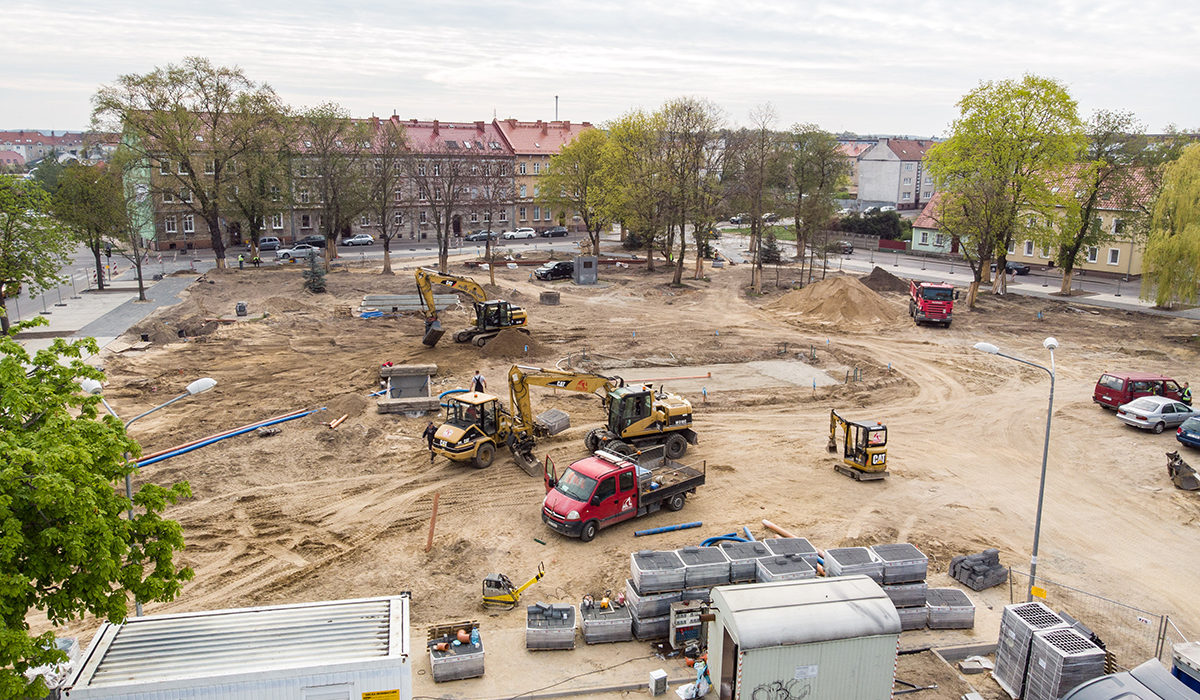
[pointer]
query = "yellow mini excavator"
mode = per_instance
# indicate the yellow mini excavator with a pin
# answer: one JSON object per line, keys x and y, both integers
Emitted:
{"x": 864, "y": 448}
{"x": 491, "y": 317}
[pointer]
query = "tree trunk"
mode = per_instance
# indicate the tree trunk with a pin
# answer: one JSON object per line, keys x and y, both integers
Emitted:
{"x": 650, "y": 253}
{"x": 387, "y": 256}
{"x": 215, "y": 237}
{"x": 1067, "y": 275}
{"x": 99, "y": 268}
{"x": 677, "y": 279}
{"x": 137, "y": 265}
{"x": 4, "y": 325}
{"x": 488, "y": 254}
{"x": 972, "y": 293}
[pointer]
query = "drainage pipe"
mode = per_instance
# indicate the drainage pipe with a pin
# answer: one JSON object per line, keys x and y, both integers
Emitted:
{"x": 216, "y": 435}
{"x": 235, "y": 433}
{"x": 667, "y": 528}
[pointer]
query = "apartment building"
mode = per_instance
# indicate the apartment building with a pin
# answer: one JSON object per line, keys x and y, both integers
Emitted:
{"x": 851, "y": 151}
{"x": 892, "y": 172}
{"x": 35, "y": 145}
{"x": 532, "y": 145}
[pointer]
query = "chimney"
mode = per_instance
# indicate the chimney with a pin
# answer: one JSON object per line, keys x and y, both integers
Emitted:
{"x": 435, "y": 127}
{"x": 566, "y": 125}
{"x": 479, "y": 126}
{"x": 413, "y": 122}
{"x": 542, "y": 125}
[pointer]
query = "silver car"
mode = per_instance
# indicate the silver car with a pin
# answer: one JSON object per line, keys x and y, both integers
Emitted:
{"x": 1154, "y": 413}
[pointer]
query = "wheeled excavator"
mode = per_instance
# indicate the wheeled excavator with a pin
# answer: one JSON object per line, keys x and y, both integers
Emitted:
{"x": 491, "y": 316}
{"x": 476, "y": 424}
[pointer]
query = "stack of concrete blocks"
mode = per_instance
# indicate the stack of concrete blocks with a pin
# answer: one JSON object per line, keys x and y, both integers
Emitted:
{"x": 656, "y": 580}
{"x": 1059, "y": 660}
{"x": 781, "y": 546}
{"x": 904, "y": 571}
{"x": 949, "y": 609}
{"x": 608, "y": 625}
{"x": 979, "y": 571}
{"x": 703, "y": 568}
{"x": 458, "y": 660}
{"x": 848, "y": 561}
{"x": 743, "y": 558}
{"x": 407, "y": 389}
{"x": 786, "y": 567}
{"x": 1018, "y": 623}
{"x": 550, "y": 626}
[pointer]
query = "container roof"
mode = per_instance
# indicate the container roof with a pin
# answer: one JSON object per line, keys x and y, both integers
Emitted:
{"x": 803, "y": 612}
{"x": 219, "y": 643}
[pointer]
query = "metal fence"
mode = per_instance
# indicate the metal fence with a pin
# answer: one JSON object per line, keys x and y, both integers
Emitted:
{"x": 1131, "y": 635}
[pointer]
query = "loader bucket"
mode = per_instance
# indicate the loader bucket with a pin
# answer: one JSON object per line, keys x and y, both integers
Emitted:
{"x": 433, "y": 333}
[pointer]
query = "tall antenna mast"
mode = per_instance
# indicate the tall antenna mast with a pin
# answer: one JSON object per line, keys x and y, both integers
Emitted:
{"x": 556, "y": 108}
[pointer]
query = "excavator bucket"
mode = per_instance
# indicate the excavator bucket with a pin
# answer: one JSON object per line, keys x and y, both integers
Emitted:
{"x": 433, "y": 333}
{"x": 1181, "y": 473}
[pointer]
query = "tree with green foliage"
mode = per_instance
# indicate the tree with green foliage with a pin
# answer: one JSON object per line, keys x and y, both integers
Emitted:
{"x": 336, "y": 151}
{"x": 816, "y": 169}
{"x": 48, "y": 171}
{"x": 191, "y": 120}
{"x": 65, "y": 546}
{"x": 90, "y": 201}
{"x": 1172, "y": 258}
{"x": 632, "y": 172}
{"x": 998, "y": 167}
{"x": 1110, "y": 174}
{"x": 260, "y": 179}
{"x": 576, "y": 183}
{"x": 33, "y": 245}
{"x": 771, "y": 254}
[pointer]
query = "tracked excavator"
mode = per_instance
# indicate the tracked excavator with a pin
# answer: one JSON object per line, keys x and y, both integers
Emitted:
{"x": 864, "y": 448}
{"x": 491, "y": 316}
{"x": 476, "y": 424}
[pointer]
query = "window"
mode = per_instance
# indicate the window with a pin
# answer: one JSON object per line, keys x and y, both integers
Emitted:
{"x": 304, "y": 196}
{"x": 907, "y": 181}
{"x": 929, "y": 182}
{"x": 305, "y": 221}
{"x": 424, "y": 218}
{"x": 277, "y": 221}
{"x": 503, "y": 169}
{"x": 1032, "y": 221}
{"x": 379, "y": 167}
{"x": 168, "y": 197}
{"x": 940, "y": 239}
{"x": 487, "y": 169}
{"x": 398, "y": 219}
{"x": 1114, "y": 256}
{"x": 364, "y": 220}
{"x": 1045, "y": 252}
{"x": 274, "y": 193}
{"x": 210, "y": 167}
{"x": 908, "y": 166}
{"x": 185, "y": 196}
{"x": 535, "y": 190}
{"x": 474, "y": 217}
{"x": 537, "y": 168}
{"x": 1012, "y": 247}
{"x": 503, "y": 215}
{"x": 1028, "y": 249}
{"x": 626, "y": 481}
{"x": 424, "y": 195}
{"x": 906, "y": 196}
{"x": 537, "y": 213}
{"x": 1093, "y": 254}
{"x": 437, "y": 169}
{"x": 521, "y": 213}
{"x": 420, "y": 170}
{"x": 437, "y": 195}
{"x": 521, "y": 168}
{"x": 924, "y": 238}
{"x": 184, "y": 168}
{"x": 523, "y": 192}
{"x": 320, "y": 221}
{"x": 169, "y": 224}
{"x": 302, "y": 170}
{"x": 546, "y": 214}
{"x": 398, "y": 196}
{"x": 1118, "y": 226}
{"x": 189, "y": 223}
{"x": 164, "y": 167}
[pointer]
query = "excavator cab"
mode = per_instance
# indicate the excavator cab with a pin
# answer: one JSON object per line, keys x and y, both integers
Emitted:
{"x": 493, "y": 314}
{"x": 627, "y": 406}
{"x": 864, "y": 448}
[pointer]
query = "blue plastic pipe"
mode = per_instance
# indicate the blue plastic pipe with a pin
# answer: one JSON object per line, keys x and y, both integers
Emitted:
{"x": 722, "y": 538}
{"x": 243, "y": 431}
{"x": 448, "y": 392}
{"x": 749, "y": 537}
{"x": 667, "y": 528}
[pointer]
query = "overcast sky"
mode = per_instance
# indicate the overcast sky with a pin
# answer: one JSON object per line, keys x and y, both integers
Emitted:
{"x": 872, "y": 66}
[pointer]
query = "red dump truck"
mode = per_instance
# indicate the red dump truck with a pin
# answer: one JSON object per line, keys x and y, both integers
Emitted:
{"x": 931, "y": 303}
{"x": 608, "y": 488}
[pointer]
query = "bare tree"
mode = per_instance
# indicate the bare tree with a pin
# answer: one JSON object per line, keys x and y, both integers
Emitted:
{"x": 260, "y": 178}
{"x": 336, "y": 149}
{"x": 492, "y": 191}
{"x": 815, "y": 170}
{"x": 441, "y": 178}
{"x": 386, "y": 175}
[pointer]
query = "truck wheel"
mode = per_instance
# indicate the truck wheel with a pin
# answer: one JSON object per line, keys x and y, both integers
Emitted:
{"x": 946, "y": 324}
{"x": 484, "y": 455}
{"x": 675, "y": 446}
{"x": 621, "y": 448}
{"x": 675, "y": 503}
{"x": 588, "y": 533}
{"x": 592, "y": 440}
{"x": 912, "y": 309}
{"x": 1158, "y": 427}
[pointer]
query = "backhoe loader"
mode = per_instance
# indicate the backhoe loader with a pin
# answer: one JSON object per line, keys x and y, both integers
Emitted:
{"x": 491, "y": 317}
{"x": 864, "y": 448}
{"x": 638, "y": 416}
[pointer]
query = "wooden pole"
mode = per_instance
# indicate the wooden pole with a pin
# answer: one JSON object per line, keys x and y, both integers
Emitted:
{"x": 776, "y": 529}
{"x": 432, "y": 522}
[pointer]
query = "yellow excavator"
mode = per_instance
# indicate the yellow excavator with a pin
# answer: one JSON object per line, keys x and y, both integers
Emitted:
{"x": 491, "y": 317}
{"x": 864, "y": 448}
{"x": 477, "y": 423}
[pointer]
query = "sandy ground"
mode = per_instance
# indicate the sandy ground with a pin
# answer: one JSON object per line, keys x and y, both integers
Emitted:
{"x": 315, "y": 513}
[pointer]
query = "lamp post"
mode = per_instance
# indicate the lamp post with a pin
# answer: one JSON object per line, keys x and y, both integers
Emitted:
{"x": 92, "y": 386}
{"x": 1050, "y": 344}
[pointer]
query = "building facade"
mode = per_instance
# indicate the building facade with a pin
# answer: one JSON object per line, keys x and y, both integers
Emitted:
{"x": 533, "y": 144}
{"x": 892, "y": 172}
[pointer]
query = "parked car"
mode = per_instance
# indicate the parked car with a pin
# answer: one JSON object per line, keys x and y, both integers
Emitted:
{"x": 555, "y": 232}
{"x": 739, "y": 218}
{"x": 1154, "y": 413}
{"x": 845, "y": 247}
{"x": 315, "y": 240}
{"x": 560, "y": 270}
{"x": 520, "y": 233}
{"x": 1116, "y": 388}
{"x": 1010, "y": 266}
{"x": 887, "y": 208}
{"x": 1189, "y": 432}
{"x": 359, "y": 239}
{"x": 300, "y": 250}
{"x": 480, "y": 236}
{"x": 268, "y": 243}
{"x": 770, "y": 217}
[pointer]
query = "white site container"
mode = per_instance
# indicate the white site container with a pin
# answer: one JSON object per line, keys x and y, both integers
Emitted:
{"x": 828, "y": 638}
{"x": 336, "y": 650}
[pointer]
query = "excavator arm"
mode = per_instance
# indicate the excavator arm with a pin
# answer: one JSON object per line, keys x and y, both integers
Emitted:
{"x": 426, "y": 278}
{"x": 521, "y": 377}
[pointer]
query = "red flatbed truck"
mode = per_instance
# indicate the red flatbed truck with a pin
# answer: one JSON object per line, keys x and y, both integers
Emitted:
{"x": 605, "y": 489}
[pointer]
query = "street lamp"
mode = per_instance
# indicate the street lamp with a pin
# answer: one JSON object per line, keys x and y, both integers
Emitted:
{"x": 91, "y": 386}
{"x": 1050, "y": 344}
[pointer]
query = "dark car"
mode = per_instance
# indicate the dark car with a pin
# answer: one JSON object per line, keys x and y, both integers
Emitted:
{"x": 1014, "y": 267}
{"x": 555, "y": 232}
{"x": 561, "y": 270}
{"x": 1189, "y": 432}
{"x": 480, "y": 236}
{"x": 313, "y": 240}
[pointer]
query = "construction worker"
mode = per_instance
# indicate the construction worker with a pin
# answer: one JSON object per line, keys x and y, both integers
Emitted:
{"x": 255, "y": 261}
{"x": 1186, "y": 395}
{"x": 478, "y": 383}
{"x": 430, "y": 431}
{"x": 241, "y": 261}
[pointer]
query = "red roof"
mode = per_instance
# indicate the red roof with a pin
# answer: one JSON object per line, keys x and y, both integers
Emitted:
{"x": 465, "y": 138}
{"x": 854, "y": 149}
{"x": 544, "y": 138}
{"x": 927, "y": 218}
{"x": 907, "y": 149}
{"x": 10, "y": 157}
{"x": 30, "y": 138}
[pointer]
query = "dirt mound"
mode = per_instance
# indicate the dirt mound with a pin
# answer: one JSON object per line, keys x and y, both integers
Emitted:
{"x": 512, "y": 343}
{"x": 881, "y": 280}
{"x": 347, "y": 404}
{"x": 155, "y": 331}
{"x": 841, "y": 300}
{"x": 283, "y": 305}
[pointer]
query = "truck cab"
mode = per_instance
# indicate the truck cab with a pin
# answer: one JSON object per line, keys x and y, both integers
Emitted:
{"x": 931, "y": 303}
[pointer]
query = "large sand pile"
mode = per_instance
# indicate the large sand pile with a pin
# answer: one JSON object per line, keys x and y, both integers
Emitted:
{"x": 512, "y": 343}
{"x": 840, "y": 300}
{"x": 881, "y": 280}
